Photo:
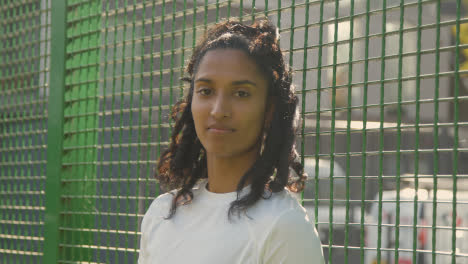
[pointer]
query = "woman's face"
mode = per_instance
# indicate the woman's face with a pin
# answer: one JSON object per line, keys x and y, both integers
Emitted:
{"x": 229, "y": 103}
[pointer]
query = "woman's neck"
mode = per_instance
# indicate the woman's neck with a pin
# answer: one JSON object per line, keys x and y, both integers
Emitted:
{"x": 224, "y": 173}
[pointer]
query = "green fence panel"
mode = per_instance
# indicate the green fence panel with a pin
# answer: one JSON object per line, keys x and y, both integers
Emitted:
{"x": 79, "y": 182}
{"x": 383, "y": 129}
{"x": 24, "y": 52}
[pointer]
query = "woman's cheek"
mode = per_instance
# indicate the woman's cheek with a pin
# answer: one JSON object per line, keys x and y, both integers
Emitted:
{"x": 198, "y": 117}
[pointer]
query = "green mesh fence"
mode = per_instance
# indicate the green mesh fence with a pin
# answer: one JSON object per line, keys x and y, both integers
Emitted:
{"x": 24, "y": 74}
{"x": 86, "y": 88}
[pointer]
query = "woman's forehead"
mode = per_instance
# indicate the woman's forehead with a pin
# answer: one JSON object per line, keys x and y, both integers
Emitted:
{"x": 228, "y": 64}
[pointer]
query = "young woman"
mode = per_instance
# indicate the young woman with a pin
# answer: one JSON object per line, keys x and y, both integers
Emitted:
{"x": 229, "y": 160}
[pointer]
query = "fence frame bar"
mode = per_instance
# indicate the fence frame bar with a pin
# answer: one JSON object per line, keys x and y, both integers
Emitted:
{"x": 55, "y": 131}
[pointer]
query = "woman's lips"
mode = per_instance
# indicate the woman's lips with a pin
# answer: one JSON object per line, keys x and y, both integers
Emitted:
{"x": 220, "y": 130}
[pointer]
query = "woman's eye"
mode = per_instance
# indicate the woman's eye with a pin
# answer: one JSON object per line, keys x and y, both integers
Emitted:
{"x": 204, "y": 91}
{"x": 242, "y": 93}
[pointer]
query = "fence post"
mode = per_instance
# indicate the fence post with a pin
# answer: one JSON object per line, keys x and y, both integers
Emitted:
{"x": 55, "y": 132}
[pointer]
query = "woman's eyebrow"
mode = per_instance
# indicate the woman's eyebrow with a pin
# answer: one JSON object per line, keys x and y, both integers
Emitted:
{"x": 243, "y": 82}
{"x": 240, "y": 82}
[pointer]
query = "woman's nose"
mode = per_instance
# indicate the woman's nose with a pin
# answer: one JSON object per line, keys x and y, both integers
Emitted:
{"x": 221, "y": 107}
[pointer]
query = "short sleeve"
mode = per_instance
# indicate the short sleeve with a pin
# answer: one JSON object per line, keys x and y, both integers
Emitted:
{"x": 142, "y": 256}
{"x": 152, "y": 216}
{"x": 292, "y": 239}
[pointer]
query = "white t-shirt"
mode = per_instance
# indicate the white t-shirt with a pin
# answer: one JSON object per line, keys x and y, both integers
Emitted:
{"x": 278, "y": 231}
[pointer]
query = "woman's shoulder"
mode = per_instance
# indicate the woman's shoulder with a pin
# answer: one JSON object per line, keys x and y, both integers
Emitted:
{"x": 162, "y": 203}
{"x": 290, "y": 234}
{"x": 159, "y": 207}
{"x": 279, "y": 202}
{"x": 277, "y": 208}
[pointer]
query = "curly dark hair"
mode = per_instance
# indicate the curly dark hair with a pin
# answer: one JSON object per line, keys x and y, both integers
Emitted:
{"x": 184, "y": 162}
